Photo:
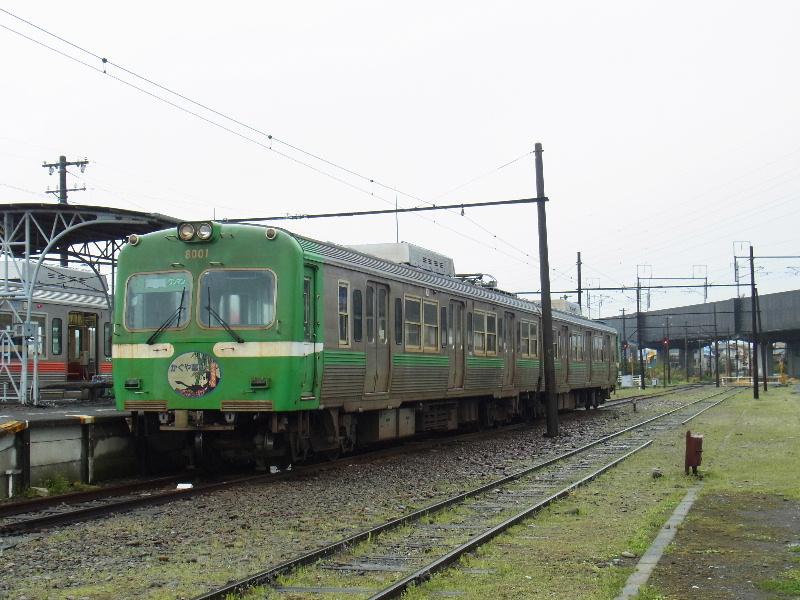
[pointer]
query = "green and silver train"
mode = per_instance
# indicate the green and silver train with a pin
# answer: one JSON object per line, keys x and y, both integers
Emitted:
{"x": 253, "y": 342}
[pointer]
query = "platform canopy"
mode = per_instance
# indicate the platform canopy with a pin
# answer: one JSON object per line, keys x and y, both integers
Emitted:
{"x": 31, "y": 230}
{"x": 41, "y": 237}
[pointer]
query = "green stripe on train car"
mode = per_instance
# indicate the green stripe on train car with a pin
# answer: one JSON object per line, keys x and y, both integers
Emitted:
{"x": 525, "y": 363}
{"x": 420, "y": 360}
{"x": 342, "y": 357}
{"x": 482, "y": 361}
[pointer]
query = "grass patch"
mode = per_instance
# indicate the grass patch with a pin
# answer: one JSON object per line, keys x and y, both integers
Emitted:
{"x": 574, "y": 548}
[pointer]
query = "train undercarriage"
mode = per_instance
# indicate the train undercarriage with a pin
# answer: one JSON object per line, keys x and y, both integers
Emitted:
{"x": 268, "y": 439}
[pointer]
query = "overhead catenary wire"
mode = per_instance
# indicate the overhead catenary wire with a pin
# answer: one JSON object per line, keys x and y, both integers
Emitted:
{"x": 105, "y": 63}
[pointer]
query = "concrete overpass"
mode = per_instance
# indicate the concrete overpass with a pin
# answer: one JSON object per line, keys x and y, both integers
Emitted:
{"x": 698, "y": 325}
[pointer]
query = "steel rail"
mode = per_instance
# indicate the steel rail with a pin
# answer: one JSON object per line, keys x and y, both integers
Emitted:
{"x": 441, "y": 563}
{"x": 268, "y": 576}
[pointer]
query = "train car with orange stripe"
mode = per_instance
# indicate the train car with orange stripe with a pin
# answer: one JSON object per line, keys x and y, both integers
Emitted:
{"x": 62, "y": 337}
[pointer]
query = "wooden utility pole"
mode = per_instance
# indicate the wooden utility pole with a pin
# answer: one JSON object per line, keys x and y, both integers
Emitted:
{"x": 62, "y": 190}
{"x": 548, "y": 359}
{"x": 754, "y": 360}
{"x": 62, "y": 165}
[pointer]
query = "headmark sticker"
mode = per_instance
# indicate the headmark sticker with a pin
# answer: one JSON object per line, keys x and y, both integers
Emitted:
{"x": 194, "y": 374}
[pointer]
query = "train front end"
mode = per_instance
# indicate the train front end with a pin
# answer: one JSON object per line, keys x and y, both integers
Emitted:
{"x": 209, "y": 334}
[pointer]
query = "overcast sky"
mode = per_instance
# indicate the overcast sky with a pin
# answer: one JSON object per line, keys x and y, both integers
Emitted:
{"x": 671, "y": 130}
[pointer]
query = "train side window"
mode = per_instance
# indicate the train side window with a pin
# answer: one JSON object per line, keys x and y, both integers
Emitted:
{"x": 413, "y": 323}
{"x": 56, "y": 328}
{"x": 358, "y": 316}
{"x": 382, "y": 315}
{"x": 370, "y": 314}
{"x": 445, "y": 327}
{"x": 534, "y": 339}
{"x": 398, "y": 320}
{"x": 479, "y": 332}
{"x": 430, "y": 318}
{"x": 38, "y": 333}
{"x": 501, "y": 335}
{"x": 451, "y": 327}
{"x": 455, "y": 326}
{"x": 107, "y": 340}
{"x": 491, "y": 333}
{"x": 307, "y": 300}
{"x": 470, "y": 332}
{"x": 576, "y": 346}
{"x": 344, "y": 313}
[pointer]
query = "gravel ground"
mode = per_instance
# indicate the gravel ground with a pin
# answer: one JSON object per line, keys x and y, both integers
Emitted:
{"x": 183, "y": 549}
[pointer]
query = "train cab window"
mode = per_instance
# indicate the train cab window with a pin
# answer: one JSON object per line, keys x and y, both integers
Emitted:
{"x": 358, "y": 316}
{"x": 344, "y": 313}
{"x": 155, "y": 300}
{"x": 236, "y": 298}
{"x": 56, "y": 329}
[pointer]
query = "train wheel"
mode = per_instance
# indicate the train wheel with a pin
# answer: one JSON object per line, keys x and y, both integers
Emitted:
{"x": 332, "y": 454}
{"x": 204, "y": 456}
{"x": 298, "y": 447}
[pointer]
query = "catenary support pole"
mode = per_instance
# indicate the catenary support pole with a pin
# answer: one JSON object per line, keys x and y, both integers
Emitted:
{"x": 551, "y": 400}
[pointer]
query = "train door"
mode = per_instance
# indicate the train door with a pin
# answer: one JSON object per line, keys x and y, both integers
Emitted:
{"x": 507, "y": 346}
{"x": 310, "y": 333}
{"x": 377, "y": 322}
{"x": 455, "y": 344}
{"x": 81, "y": 345}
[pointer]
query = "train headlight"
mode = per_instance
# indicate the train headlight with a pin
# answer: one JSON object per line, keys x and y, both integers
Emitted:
{"x": 186, "y": 232}
{"x": 204, "y": 230}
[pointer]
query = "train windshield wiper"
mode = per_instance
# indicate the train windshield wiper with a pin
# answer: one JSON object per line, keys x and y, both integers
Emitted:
{"x": 216, "y": 315}
{"x": 175, "y": 316}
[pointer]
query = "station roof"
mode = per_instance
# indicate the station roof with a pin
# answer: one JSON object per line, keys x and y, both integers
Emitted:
{"x": 95, "y": 224}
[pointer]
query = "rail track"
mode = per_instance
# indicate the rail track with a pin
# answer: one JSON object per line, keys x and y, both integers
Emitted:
{"x": 410, "y": 549}
{"x": 36, "y": 514}
{"x": 42, "y": 513}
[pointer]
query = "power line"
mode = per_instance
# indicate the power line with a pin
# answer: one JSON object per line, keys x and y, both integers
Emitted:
{"x": 266, "y": 145}
{"x": 389, "y": 210}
